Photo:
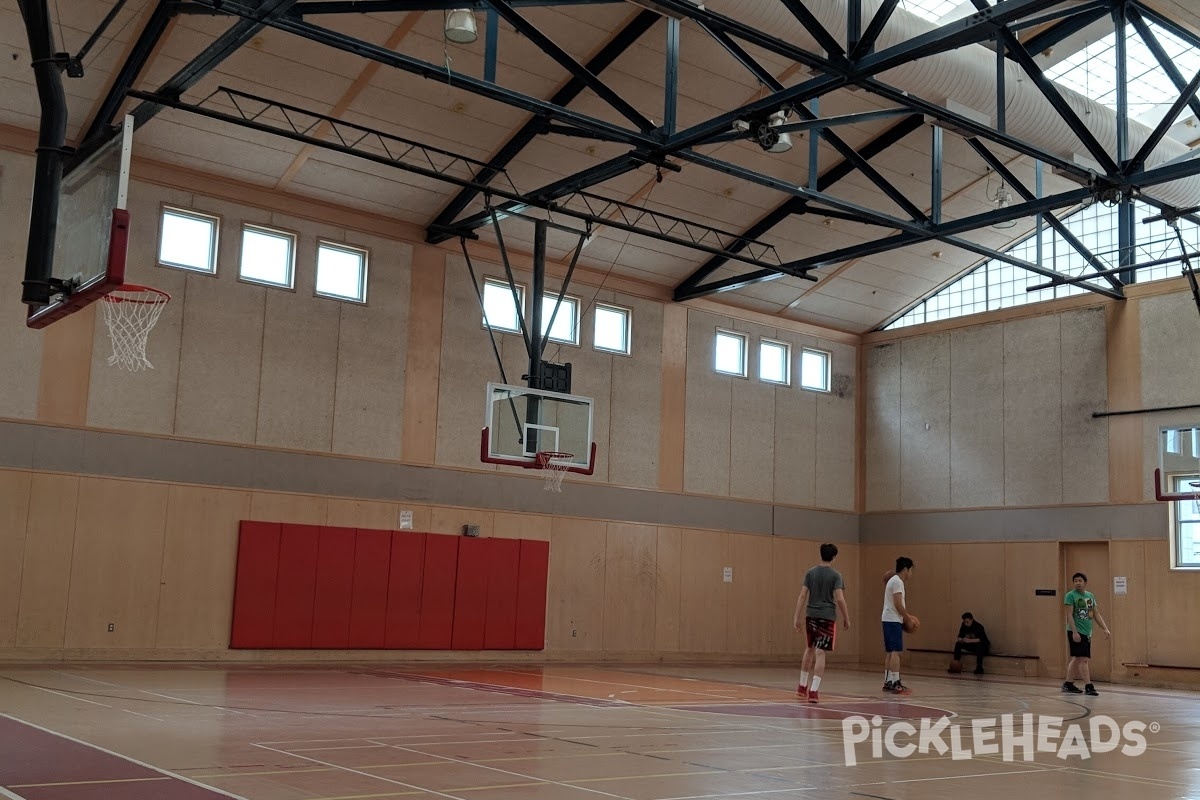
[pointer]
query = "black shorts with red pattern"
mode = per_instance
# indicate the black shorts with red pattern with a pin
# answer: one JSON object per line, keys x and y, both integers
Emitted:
{"x": 822, "y": 633}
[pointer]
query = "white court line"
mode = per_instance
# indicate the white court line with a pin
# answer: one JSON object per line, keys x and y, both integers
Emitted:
{"x": 68, "y": 696}
{"x": 147, "y": 716}
{"x": 392, "y": 781}
{"x": 398, "y": 736}
{"x": 9, "y": 795}
{"x": 193, "y": 702}
{"x": 531, "y": 778}
{"x": 338, "y": 747}
{"x": 89, "y": 680}
{"x": 125, "y": 758}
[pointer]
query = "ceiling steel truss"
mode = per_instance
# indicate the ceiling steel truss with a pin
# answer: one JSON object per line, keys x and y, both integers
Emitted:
{"x": 1122, "y": 175}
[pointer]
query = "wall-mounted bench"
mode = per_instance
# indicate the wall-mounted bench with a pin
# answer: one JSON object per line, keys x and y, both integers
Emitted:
{"x": 1000, "y": 663}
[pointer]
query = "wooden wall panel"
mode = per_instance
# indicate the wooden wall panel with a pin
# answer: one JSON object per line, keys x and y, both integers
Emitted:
{"x": 46, "y": 567}
{"x": 298, "y": 509}
{"x": 1035, "y": 625}
{"x": 1090, "y": 558}
{"x": 703, "y": 596}
{"x": 630, "y": 559}
{"x": 976, "y": 580}
{"x": 667, "y": 583}
{"x": 790, "y": 559}
{"x": 522, "y": 526}
{"x": 673, "y": 400}
{"x": 1129, "y": 617}
{"x": 575, "y": 616}
{"x": 452, "y": 520}
{"x": 423, "y": 369}
{"x": 1172, "y": 608}
{"x": 751, "y": 612}
{"x": 14, "y": 511}
{"x": 116, "y": 565}
{"x": 365, "y": 514}
{"x": 198, "y": 567}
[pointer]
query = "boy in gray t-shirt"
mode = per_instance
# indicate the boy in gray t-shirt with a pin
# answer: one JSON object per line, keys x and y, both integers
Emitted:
{"x": 820, "y": 600}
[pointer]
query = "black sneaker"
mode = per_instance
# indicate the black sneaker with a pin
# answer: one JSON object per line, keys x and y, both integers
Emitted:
{"x": 1071, "y": 688}
{"x": 1090, "y": 691}
{"x": 888, "y": 686}
{"x": 979, "y": 670}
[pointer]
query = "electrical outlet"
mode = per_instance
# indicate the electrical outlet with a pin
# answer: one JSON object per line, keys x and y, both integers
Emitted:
{"x": 111, "y": 627}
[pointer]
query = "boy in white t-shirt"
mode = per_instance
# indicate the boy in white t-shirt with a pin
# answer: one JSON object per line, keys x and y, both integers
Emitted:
{"x": 895, "y": 614}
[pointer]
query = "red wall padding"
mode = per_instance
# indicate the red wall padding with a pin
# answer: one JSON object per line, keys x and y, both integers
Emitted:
{"x": 335, "y": 588}
{"x": 297, "y": 586}
{"x": 531, "y": 595}
{"x": 254, "y": 589}
{"x": 470, "y": 593}
{"x": 403, "y": 630}
{"x": 314, "y": 587}
{"x": 437, "y": 592}
{"x": 500, "y": 630}
{"x": 369, "y": 600}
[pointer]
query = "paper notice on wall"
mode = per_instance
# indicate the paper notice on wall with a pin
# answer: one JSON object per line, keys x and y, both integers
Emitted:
{"x": 1119, "y": 586}
{"x": 406, "y": 520}
{"x": 727, "y": 573}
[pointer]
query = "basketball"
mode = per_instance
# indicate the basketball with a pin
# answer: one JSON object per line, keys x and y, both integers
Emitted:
{"x": 911, "y": 624}
{"x": 955, "y": 667}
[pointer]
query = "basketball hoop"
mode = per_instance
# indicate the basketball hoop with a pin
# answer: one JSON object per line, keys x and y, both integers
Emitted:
{"x": 555, "y": 464}
{"x": 130, "y": 313}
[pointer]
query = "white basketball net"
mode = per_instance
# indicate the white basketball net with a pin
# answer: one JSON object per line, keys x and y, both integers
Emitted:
{"x": 555, "y": 466}
{"x": 130, "y": 314}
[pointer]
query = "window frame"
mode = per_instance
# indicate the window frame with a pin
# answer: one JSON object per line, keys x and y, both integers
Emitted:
{"x": 504, "y": 286}
{"x": 787, "y": 361}
{"x": 292, "y": 236}
{"x": 365, "y": 262}
{"x": 828, "y": 356}
{"x": 214, "y": 243}
{"x": 576, "y": 321}
{"x": 745, "y": 340}
{"x": 628, "y": 314}
{"x": 1173, "y": 483}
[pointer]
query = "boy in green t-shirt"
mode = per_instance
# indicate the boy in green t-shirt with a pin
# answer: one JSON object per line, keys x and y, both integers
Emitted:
{"x": 1079, "y": 634}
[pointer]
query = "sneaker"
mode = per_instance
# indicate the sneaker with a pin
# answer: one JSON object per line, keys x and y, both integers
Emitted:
{"x": 888, "y": 686}
{"x": 1071, "y": 688}
{"x": 979, "y": 670}
{"x": 1091, "y": 691}
{"x": 802, "y": 690}
{"x": 900, "y": 688}
{"x": 812, "y": 697}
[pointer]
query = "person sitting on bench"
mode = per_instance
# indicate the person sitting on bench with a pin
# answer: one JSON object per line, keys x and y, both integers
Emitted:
{"x": 972, "y": 638}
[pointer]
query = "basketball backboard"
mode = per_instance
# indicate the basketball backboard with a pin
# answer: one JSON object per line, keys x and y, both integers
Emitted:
{"x": 520, "y": 422}
{"x": 92, "y": 236}
{"x": 1178, "y": 475}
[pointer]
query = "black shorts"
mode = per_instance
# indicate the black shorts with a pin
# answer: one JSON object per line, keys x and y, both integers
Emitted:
{"x": 1080, "y": 649}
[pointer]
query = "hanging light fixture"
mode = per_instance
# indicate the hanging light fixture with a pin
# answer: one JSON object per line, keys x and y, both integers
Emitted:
{"x": 1001, "y": 199}
{"x": 460, "y": 26}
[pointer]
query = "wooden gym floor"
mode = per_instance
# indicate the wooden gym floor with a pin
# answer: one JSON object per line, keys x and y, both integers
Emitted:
{"x": 202, "y": 732}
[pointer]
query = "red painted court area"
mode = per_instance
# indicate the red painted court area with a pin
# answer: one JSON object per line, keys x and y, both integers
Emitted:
{"x": 39, "y": 765}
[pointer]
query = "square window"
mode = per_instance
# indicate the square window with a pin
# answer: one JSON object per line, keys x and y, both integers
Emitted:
{"x": 730, "y": 353}
{"x": 500, "y": 311}
{"x": 774, "y": 362}
{"x": 612, "y": 328}
{"x": 341, "y": 272}
{"x": 814, "y": 370}
{"x": 268, "y": 256}
{"x": 188, "y": 240}
{"x": 566, "y": 321}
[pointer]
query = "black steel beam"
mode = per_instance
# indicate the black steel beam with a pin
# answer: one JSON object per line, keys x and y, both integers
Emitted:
{"x": 529, "y": 131}
{"x": 438, "y": 72}
{"x": 316, "y": 7}
{"x": 256, "y": 17}
{"x": 1151, "y": 41}
{"x": 1018, "y": 53}
{"x": 825, "y": 40}
{"x": 1067, "y": 27}
{"x": 795, "y": 205}
{"x": 568, "y": 62}
{"x": 1156, "y": 136}
{"x": 99, "y": 129}
{"x": 867, "y": 43}
{"x": 1007, "y": 175}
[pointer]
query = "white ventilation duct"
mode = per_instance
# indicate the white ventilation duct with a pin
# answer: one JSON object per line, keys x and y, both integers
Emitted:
{"x": 968, "y": 76}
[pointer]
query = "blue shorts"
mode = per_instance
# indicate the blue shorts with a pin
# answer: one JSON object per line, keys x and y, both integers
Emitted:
{"x": 893, "y": 637}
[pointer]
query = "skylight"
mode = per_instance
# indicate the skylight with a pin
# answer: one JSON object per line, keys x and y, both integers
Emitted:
{"x": 932, "y": 10}
{"x": 1092, "y": 73}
